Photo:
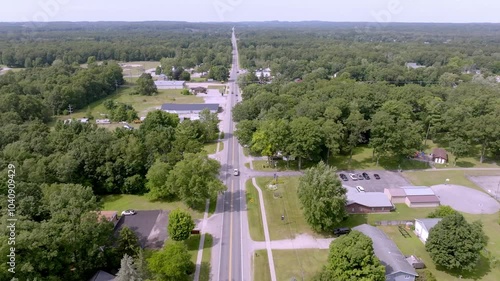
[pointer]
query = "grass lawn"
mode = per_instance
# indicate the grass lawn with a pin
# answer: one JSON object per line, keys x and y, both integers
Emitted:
{"x": 218, "y": 87}
{"x": 124, "y": 201}
{"x": 198, "y": 79}
{"x": 429, "y": 178}
{"x": 402, "y": 212}
{"x": 254, "y": 214}
{"x": 193, "y": 243}
{"x": 143, "y": 104}
{"x": 298, "y": 264}
{"x": 466, "y": 162}
{"x": 288, "y": 205}
{"x": 205, "y": 260}
{"x": 260, "y": 266}
{"x": 413, "y": 246}
{"x": 210, "y": 148}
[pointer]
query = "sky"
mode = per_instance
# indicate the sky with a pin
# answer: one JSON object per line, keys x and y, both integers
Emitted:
{"x": 453, "y": 11}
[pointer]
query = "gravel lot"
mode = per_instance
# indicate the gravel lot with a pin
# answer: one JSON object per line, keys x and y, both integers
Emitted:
{"x": 387, "y": 179}
{"x": 490, "y": 184}
{"x": 465, "y": 199}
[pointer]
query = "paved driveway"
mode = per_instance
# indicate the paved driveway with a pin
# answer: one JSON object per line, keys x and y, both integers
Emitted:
{"x": 465, "y": 199}
{"x": 149, "y": 226}
{"x": 490, "y": 184}
{"x": 388, "y": 179}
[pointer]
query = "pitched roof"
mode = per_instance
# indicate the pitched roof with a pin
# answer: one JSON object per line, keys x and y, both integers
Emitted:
{"x": 419, "y": 191}
{"x": 189, "y": 106}
{"x": 387, "y": 251}
{"x": 423, "y": 199}
{"x": 102, "y": 276}
{"x": 428, "y": 223}
{"x": 396, "y": 192}
{"x": 369, "y": 199}
{"x": 440, "y": 153}
{"x": 169, "y": 83}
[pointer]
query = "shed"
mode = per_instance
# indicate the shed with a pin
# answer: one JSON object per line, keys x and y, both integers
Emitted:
{"x": 422, "y": 201}
{"x": 189, "y": 108}
{"x": 423, "y": 227}
{"x": 439, "y": 155}
{"x": 415, "y": 262}
{"x": 198, "y": 90}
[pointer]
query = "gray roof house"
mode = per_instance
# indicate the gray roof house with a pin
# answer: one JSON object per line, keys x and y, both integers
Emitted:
{"x": 424, "y": 226}
{"x": 397, "y": 267}
{"x": 189, "y": 108}
{"x": 102, "y": 276}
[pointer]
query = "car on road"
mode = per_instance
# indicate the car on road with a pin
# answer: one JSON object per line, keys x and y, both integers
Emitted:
{"x": 343, "y": 177}
{"x": 376, "y": 176}
{"x": 366, "y": 176}
{"x": 341, "y": 231}
{"x": 359, "y": 188}
{"x": 236, "y": 172}
{"x": 360, "y": 177}
{"x": 353, "y": 176}
{"x": 129, "y": 212}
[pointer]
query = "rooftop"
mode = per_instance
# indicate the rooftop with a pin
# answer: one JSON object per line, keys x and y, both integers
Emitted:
{"x": 109, "y": 215}
{"x": 189, "y": 106}
{"x": 428, "y": 223}
{"x": 369, "y": 199}
{"x": 170, "y": 83}
{"x": 440, "y": 153}
{"x": 418, "y": 191}
{"x": 387, "y": 251}
{"x": 397, "y": 192}
{"x": 102, "y": 276}
{"x": 423, "y": 199}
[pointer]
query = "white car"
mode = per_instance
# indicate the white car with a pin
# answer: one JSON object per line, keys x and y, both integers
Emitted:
{"x": 236, "y": 172}
{"x": 360, "y": 188}
{"x": 129, "y": 212}
{"x": 353, "y": 176}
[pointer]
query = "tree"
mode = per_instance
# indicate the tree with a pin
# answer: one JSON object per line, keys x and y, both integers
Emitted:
{"x": 352, "y": 257}
{"x": 460, "y": 148}
{"x": 210, "y": 122}
{"x": 180, "y": 225}
{"x": 456, "y": 244}
{"x": 323, "y": 197}
{"x": 245, "y": 130}
{"x": 172, "y": 263}
{"x": 219, "y": 73}
{"x": 128, "y": 243}
{"x": 197, "y": 177}
{"x": 128, "y": 270}
{"x": 146, "y": 86}
{"x": 185, "y": 76}
{"x": 355, "y": 125}
{"x": 158, "y": 70}
{"x": 332, "y": 134}
{"x": 305, "y": 138}
{"x": 442, "y": 212}
{"x": 157, "y": 181}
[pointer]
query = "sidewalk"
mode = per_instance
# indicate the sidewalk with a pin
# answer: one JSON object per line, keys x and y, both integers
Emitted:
{"x": 202, "y": 243}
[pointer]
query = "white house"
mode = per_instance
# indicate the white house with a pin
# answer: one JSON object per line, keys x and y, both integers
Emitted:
{"x": 102, "y": 121}
{"x": 261, "y": 73}
{"x": 423, "y": 226}
{"x": 189, "y": 108}
{"x": 170, "y": 85}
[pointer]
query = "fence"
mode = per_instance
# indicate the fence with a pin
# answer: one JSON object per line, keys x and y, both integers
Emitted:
{"x": 403, "y": 222}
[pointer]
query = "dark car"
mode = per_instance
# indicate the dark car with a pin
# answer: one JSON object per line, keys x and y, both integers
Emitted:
{"x": 360, "y": 177}
{"x": 376, "y": 176}
{"x": 366, "y": 176}
{"x": 341, "y": 231}
{"x": 343, "y": 177}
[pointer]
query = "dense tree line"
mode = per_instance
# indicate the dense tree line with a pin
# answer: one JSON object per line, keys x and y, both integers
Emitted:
{"x": 189, "y": 44}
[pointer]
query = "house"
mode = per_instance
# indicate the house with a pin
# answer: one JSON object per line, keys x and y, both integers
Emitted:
{"x": 415, "y": 262}
{"x": 84, "y": 120}
{"x": 189, "y": 108}
{"x": 102, "y": 121}
{"x": 198, "y": 90}
{"x": 413, "y": 65}
{"x": 170, "y": 85}
{"x": 423, "y": 226}
{"x": 439, "y": 155}
{"x": 396, "y": 266}
{"x": 369, "y": 202}
{"x": 413, "y": 196}
{"x": 102, "y": 276}
{"x": 111, "y": 216}
{"x": 263, "y": 73}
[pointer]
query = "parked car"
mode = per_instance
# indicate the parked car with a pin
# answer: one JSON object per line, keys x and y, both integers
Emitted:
{"x": 341, "y": 231}
{"x": 376, "y": 176}
{"x": 343, "y": 177}
{"x": 366, "y": 176}
{"x": 360, "y": 177}
{"x": 359, "y": 188}
{"x": 129, "y": 213}
{"x": 353, "y": 176}
{"x": 236, "y": 172}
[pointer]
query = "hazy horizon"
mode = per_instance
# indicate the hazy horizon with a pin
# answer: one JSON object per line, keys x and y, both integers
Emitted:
{"x": 385, "y": 11}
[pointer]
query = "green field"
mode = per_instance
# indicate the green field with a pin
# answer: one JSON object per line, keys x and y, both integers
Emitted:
{"x": 254, "y": 213}
{"x": 193, "y": 243}
{"x": 288, "y": 205}
{"x": 211, "y": 148}
{"x": 429, "y": 178}
{"x": 143, "y": 104}
{"x": 298, "y": 264}
{"x": 218, "y": 87}
{"x": 205, "y": 260}
{"x": 124, "y": 201}
{"x": 466, "y": 162}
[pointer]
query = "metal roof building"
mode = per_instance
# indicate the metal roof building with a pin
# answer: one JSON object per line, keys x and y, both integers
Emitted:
{"x": 170, "y": 84}
{"x": 396, "y": 266}
{"x": 189, "y": 108}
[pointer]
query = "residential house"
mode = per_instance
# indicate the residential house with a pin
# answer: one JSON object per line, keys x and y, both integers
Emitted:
{"x": 397, "y": 267}
{"x": 102, "y": 276}
{"x": 423, "y": 226}
{"x": 263, "y": 73}
{"x": 439, "y": 155}
{"x": 170, "y": 85}
{"x": 413, "y": 65}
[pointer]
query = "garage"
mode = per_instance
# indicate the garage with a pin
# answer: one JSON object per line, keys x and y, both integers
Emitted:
{"x": 422, "y": 201}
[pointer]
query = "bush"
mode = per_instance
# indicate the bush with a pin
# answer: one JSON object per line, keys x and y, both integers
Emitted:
{"x": 222, "y": 137}
{"x": 425, "y": 275}
{"x": 185, "y": 92}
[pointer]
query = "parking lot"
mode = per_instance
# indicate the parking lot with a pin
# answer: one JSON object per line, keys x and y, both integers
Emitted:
{"x": 490, "y": 184}
{"x": 388, "y": 179}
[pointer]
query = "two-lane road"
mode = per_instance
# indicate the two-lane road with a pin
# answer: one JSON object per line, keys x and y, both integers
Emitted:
{"x": 231, "y": 247}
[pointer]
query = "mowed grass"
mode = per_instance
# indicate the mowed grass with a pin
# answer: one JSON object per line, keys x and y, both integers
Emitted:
{"x": 122, "y": 202}
{"x": 142, "y": 104}
{"x": 485, "y": 271}
{"x": 287, "y": 204}
{"x": 298, "y": 264}
{"x": 466, "y": 162}
{"x": 402, "y": 212}
{"x": 205, "y": 260}
{"x": 435, "y": 177}
{"x": 218, "y": 87}
{"x": 254, "y": 213}
{"x": 193, "y": 243}
{"x": 211, "y": 148}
